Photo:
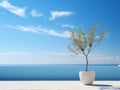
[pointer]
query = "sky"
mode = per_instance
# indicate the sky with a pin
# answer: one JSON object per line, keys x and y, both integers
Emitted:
{"x": 37, "y": 31}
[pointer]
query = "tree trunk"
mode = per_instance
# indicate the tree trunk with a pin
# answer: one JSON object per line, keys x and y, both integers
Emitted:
{"x": 86, "y": 63}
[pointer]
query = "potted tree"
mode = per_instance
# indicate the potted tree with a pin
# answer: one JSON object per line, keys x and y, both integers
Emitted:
{"x": 83, "y": 43}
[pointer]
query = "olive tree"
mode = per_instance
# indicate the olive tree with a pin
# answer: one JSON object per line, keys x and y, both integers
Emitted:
{"x": 84, "y": 43}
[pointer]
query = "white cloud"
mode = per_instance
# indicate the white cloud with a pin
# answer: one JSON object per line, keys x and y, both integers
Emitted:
{"x": 24, "y": 28}
{"x": 39, "y": 29}
{"x": 57, "y": 14}
{"x": 35, "y": 13}
{"x": 13, "y": 9}
{"x": 67, "y": 26}
{"x": 64, "y": 34}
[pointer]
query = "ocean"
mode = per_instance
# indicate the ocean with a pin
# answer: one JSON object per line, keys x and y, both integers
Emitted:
{"x": 56, "y": 71}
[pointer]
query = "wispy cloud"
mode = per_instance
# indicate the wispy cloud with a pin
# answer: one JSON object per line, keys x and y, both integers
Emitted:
{"x": 24, "y": 28}
{"x": 39, "y": 29}
{"x": 67, "y": 26}
{"x": 12, "y": 53}
{"x": 57, "y": 14}
{"x": 64, "y": 34}
{"x": 13, "y": 9}
{"x": 35, "y": 13}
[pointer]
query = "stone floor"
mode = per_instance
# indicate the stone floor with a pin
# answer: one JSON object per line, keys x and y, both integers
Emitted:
{"x": 58, "y": 85}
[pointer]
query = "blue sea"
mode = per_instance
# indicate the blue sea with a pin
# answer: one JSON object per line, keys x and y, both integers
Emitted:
{"x": 56, "y": 71}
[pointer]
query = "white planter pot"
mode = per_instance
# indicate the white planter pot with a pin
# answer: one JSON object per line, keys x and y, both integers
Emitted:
{"x": 87, "y": 78}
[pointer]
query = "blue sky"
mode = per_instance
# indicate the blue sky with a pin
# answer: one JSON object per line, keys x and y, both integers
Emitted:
{"x": 37, "y": 31}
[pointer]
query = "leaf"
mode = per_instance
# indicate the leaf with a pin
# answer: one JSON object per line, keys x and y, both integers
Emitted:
{"x": 101, "y": 36}
{"x": 91, "y": 35}
{"x": 82, "y": 42}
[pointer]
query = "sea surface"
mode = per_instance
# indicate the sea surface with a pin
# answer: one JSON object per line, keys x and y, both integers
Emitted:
{"x": 56, "y": 71}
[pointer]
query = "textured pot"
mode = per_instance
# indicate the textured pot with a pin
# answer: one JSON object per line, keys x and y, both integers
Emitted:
{"x": 87, "y": 78}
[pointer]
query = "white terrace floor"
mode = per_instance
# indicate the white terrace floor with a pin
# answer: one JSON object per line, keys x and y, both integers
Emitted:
{"x": 58, "y": 85}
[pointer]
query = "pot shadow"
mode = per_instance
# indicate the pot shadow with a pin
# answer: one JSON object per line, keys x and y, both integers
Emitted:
{"x": 101, "y": 85}
{"x": 106, "y": 87}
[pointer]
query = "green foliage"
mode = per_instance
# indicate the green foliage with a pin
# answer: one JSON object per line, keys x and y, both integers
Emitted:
{"x": 83, "y": 42}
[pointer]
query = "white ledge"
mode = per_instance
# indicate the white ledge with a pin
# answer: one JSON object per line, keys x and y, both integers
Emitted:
{"x": 58, "y": 85}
